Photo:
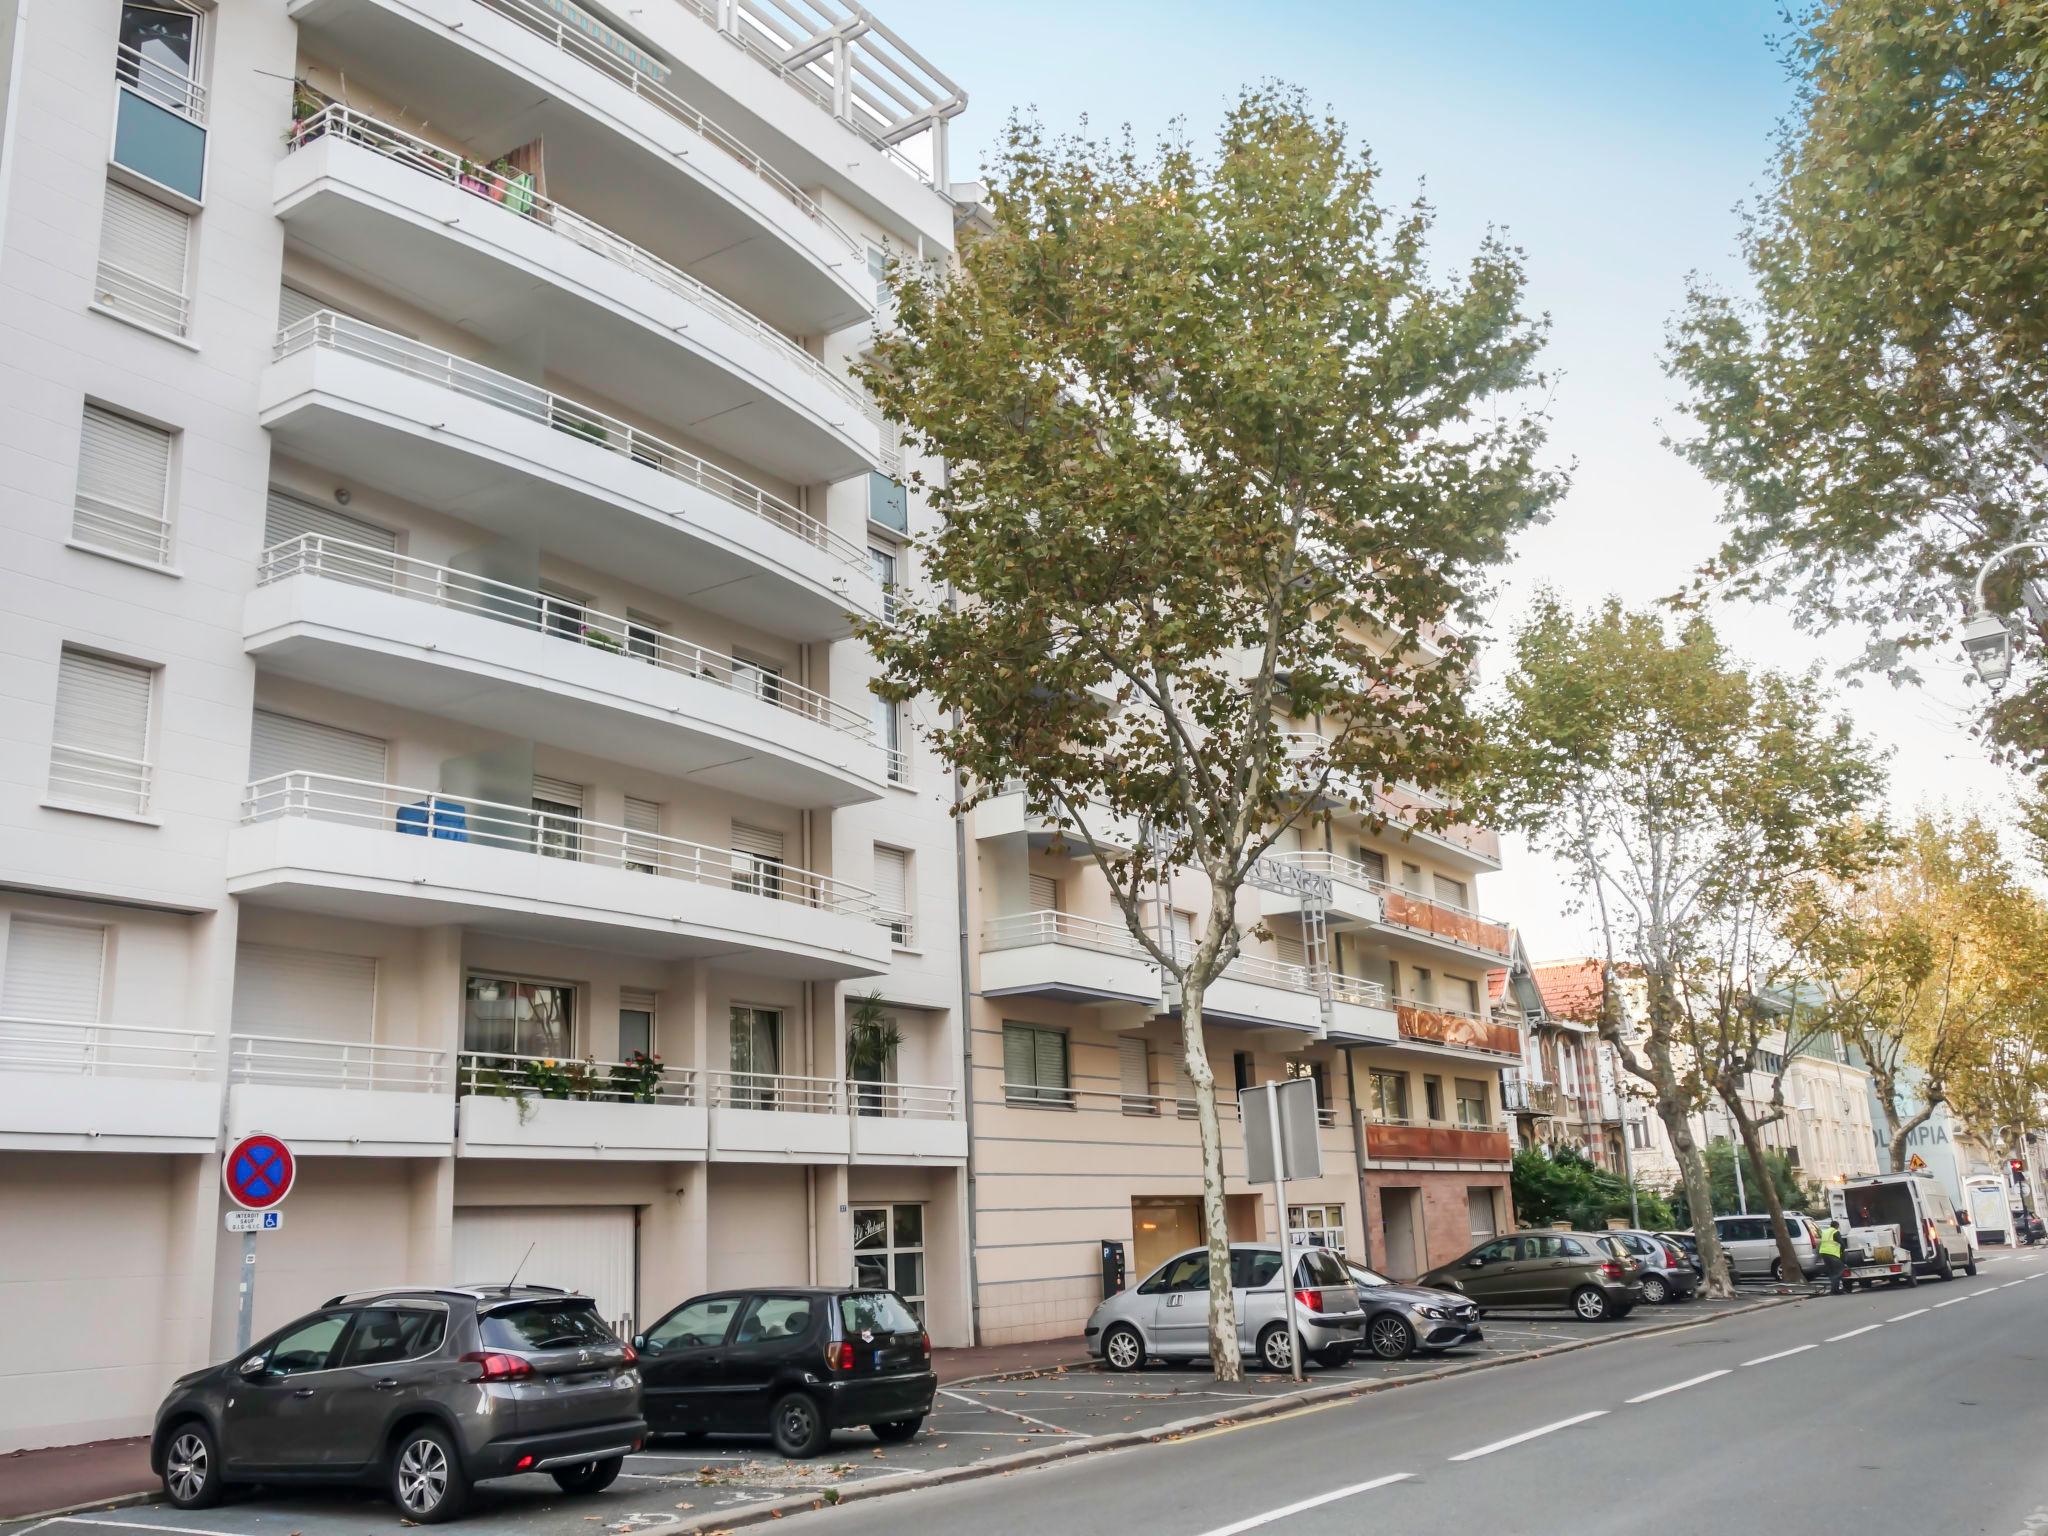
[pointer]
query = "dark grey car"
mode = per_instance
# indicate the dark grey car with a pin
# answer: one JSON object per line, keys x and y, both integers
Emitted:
{"x": 1403, "y": 1319}
{"x": 426, "y": 1390}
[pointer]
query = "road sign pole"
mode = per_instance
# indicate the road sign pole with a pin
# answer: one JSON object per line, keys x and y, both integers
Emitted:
{"x": 245, "y": 1305}
{"x": 1286, "y": 1237}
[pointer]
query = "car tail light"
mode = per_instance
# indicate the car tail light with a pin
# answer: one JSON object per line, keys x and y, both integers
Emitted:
{"x": 493, "y": 1366}
{"x": 522, "y": 1464}
{"x": 631, "y": 1353}
{"x": 924, "y": 1345}
{"x": 1310, "y": 1300}
{"x": 1928, "y": 1223}
{"x": 1612, "y": 1270}
{"x": 839, "y": 1357}
{"x": 1672, "y": 1257}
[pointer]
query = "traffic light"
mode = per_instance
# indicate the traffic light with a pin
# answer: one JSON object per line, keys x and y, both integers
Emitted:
{"x": 2018, "y": 1168}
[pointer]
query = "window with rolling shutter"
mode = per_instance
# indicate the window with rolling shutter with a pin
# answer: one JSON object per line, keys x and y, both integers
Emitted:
{"x": 304, "y": 994}
{"x": 1045, "y": 894}
{"x": 756, "y": 860}
{"x": 636, "y": 1023}
{"x": 300, "y": 535}
{"x": 557, "y": 818}
{"x": 52, "y": 971}
{"x": 1181, "y": 925}
{"x": 643, "y": 828}
{"x": 892, "y": 892}
{"x": 282, "y": 744}
{"x": 99, "y": 748}
{"x": 1035, "y": 1065}
{"x": 294, "y": 306}
{"x": 145, "y": 249}
{"x": 1134, "y": 1075}
{"x": 1183, "y": 1090}
{"x": 122, "y": 504}
{"x": 1290, "y": 951}
{"x": 1450, "y": 892}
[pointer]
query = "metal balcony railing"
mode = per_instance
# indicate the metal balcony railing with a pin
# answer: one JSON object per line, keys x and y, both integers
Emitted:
{"x": 135, "y": 532}
{"x": 515, "y": 194}
{"x": 775, "y": 1091}
{"x": 550, "y": 25}
{"x": 902, "y": 1101}
{"x": 115, "y": 287}
{"x": 1351, "y": 989}
{"x": 901, "y": 925}
{"x": 501, "y": 1074}
{"x": 1403, "y": 908}
{"x": 357, "y": 1065}
{"x": 558, "y": 618}
{"x": 544, "y": 834}
{"x": 355, "y": 338}
{"x": 103, "y": 1050}
{"x": 161, "y": 83}
{"x": 1020, "y": 929}
{"x": 81, "y": 776}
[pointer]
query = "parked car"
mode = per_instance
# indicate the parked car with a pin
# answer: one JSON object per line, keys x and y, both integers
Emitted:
{"x": 1403, "y": 1319}
{"x": 1753, "y": 1250}
{"x": 1689, "y": 1245}
{"x": 426, "y": 1389}
{"x": 1920, "y": 1208}
{"x": 1668, "y": 1274}
{"x": 792, "y": 1362}
{"x": 1167, "y": 1313}
{"x": 1590, "y": 1272}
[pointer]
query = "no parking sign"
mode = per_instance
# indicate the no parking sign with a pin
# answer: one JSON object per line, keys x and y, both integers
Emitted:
{"x": 258, "y": 1172}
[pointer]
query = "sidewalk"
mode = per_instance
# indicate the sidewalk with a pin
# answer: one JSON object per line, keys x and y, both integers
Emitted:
{"x": 34, "y": 1482}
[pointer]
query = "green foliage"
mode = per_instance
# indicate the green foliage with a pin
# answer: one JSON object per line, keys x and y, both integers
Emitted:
{"x": 872, "y": 1037}
{"x": 1562, "y": 1184}
{"x": 1878, "y": 415}
{"x": 1794, "y": 1193}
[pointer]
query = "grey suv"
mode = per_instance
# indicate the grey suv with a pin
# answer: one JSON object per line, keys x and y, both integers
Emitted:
{"x": 426, "y": 1390}
{"x": 1167, "y": 1315}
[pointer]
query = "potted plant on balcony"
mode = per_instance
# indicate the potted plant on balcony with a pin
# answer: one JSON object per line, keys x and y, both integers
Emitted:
{"x": 603, "y": 639}
{"x": 579, "y": 426}
{"x": 305, "y": 107}
{"x": 470, "y": 177}
{"x": 872, "y": 1040}
{"x": 637, "y": 1079}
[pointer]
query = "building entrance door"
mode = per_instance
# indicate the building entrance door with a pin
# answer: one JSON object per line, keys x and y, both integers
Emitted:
{"x": 1401, "y": 1219}
{"x": 1161, "y": 1227}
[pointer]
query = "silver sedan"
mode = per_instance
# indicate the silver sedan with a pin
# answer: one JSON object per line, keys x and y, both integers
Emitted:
{"x": 1167, "y": 1314}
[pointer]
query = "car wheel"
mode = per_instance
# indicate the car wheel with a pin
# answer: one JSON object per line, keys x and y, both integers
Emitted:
{"x": 1655, "y": 1291}
{"x": 1970, "y": 1269}
{"x": 1336, "y": 1356}
{"x": 1390, "y": 1337}
{"x": 1276, "y": 1350}
{"x": 591, "y": 1476}
{"x": 799, "y": 1427}
{"x": 427, "y": 1480}
{"x": 1778, "y": 1270}
{"x": 896, "y": 1431}
{"x": 1123, "y": 1348}
{"x": 192, "y": 1467}
{"x": 1945, "y": 1267}
{"x": 1590, "y": 1305}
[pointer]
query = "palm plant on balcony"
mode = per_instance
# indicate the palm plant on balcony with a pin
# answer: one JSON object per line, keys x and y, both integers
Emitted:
{"x": 1221, "y": 455}
{"x": 872, "y": 1040}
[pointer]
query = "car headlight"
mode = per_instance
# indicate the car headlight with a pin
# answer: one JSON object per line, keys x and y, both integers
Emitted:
{"x": 1436, "y": 1312}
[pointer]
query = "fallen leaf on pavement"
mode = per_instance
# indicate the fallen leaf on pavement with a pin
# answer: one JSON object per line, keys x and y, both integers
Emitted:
{"x": 686, "y": 1506}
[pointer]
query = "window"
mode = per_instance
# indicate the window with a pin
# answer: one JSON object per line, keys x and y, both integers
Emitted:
{"x": 1472, "y": 1102}
{"x": 1390, "y": 1096}
{"x": 1189, "y": 1272}
{"x": 122, "y": 503}
{"x": 1243, "y": 1069}
{"x": 888, "y": 1251}
{"x": 1500, "y": 1252}
{"x": 539, "y": 1324}
{"x": 1373, "y": 861}
{"x": 1180, "y": 926}
{"x": 643, "y": 831}
{"x": 1479, "y": 1208}
{"x": 1134, "y": 1075}
{"x": 502, "y": 1016}
{"x": 888, "y": 504}
{"x": 772, "y": 1318}
{"x": 280, "y": 744}
{"x": 699, "y": 1324}
{"x": 1045, "y": 894}
{"x": 761, "y": 679}
{"x": 1424, "y": 984}
{"x": 1317, "y": 1073}
{"x": 1411, "y": 877}
{"x": 1035, "y": 1065}
{"x": 756, "y": 1038}
{"x": 562, "y": 612}
{"x": 300, "y": 535}
{"x": 145, "y": 249}
{"x": 1450, "y": 892}
{"x": 308, "y": 1347}
{"x": 886, "y": 718}
{"x": 883, "y": 563}
{"x": 387, "y": 1335}
{"x": 1464, "y": 994}
{"x": 1433, "y": 1097}
{"x": 757, "y": 860}
{"x": 1319, "y": 1226}
{"x": 1639, "y": 1135}
{"x": 875, "y": 1312}
{"x": 878, "y": 273}
{"x": 557, "y": 818}
{"x": 53, "y": 971}
{"x": 159, "y": 54}
{"x": 1253, "y": 1269}
{"x": 636, "y": 1024}
{"x": 99, "y": 745}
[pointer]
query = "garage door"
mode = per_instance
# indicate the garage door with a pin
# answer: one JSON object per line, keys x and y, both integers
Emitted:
{"x": 587, "y": 1248}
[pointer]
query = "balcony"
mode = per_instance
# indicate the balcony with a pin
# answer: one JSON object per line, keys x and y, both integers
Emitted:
{"x": 767, "y": 1117}
{"x": 536, "y": 666}
{"x": 1075, "y": 959}
{"x": 340, "y": 1096}
{"x": 1522, "y": 1095}
{"x": 1259, "y": 991}
{"x": 501, "y": 73}
{"x": 910, "y": 1123}
{"x": 1386, "y": 1141}
{"x": 1007, "y": 814}
{"x": 349, "y": 848}
{"x": 509, "y": 456}
{"x": 1441, "y": 925}
{"x": 1456, "y": 1030}
{"x": 530, "y": 1106}
{"x": 160, "y": 123}
{"x": 1361, "y": 1013}
{"x": 488, "y": 254}
{"x": 107, "y": 1087}
{"x": 1472, "y": 849}
{"x": 1354, "y": 893}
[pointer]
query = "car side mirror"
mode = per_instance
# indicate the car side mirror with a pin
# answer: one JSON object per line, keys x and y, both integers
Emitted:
{"x": 1475, "y": 1262}
{"x": 251, "y": 1367}
{"x": 640, "y": 1341}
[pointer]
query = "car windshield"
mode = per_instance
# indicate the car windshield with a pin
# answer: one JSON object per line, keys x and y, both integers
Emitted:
{"x": 875, "y": 1312}
{"x": 545, "y": 1325}
{"x": 1360, "y": 1275}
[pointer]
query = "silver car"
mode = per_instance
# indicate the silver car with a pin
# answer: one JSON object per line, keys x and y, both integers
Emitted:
{"x": 1753, "y": 1251}
{"x": 1167, "y": 1314}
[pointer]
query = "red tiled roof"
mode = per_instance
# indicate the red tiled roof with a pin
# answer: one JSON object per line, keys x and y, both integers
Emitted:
{"x": 1496, "y": 985}
{"x": 1570, "y": 989}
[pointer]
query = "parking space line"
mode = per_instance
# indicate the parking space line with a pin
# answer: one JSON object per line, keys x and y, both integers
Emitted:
{"x": 1866, "y": 1328}
{"x": 1677, "y": 1386}
{"x": 1797, "y": 1349}
{"x": 135, "y": 1525}
{"x": 1530, "y": 1434}
{"x": 1255, "y": 1521}
{"x": 1904, "y": 1315}
{"x": 1014, "y": 1414}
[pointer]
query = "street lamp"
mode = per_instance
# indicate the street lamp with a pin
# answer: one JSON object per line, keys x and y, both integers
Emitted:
{"x": 1987, "y": 639}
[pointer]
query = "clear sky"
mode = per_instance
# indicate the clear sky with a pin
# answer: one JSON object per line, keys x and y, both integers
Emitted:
{"x": 1611, "y": 141}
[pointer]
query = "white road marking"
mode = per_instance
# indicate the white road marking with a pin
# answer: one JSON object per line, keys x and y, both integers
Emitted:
{"x": 1797, "y": 1349}
{"x": 1953, "y": 1301}
{"x": 1501, "y": 1445}
{"x": 1255, "y": 1521}
{"x": 2011, "y": 1283}
{"x": 136, "y": 1525}
{"x": 1904, "y": 1315}
{"x": 1677, "y": 1386}
{"x": 1013, "y": 1414}
{"x": 1866, "y": 1328}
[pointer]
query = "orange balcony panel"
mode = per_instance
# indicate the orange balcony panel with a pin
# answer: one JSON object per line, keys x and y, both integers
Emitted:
{"x": 1436, "y": 1142}
{"x": 1405, "y": 910}
{"x": 1457, "y": 1029}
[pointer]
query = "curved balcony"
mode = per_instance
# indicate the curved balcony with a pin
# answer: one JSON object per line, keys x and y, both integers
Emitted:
{"x": 345, "y": 847}
{"x": 501, "y": 73}
{"x": 1455, "y": 1030}
{"x": 1467, "y": 848}
{"x": 487, "y": 253}
{"x": 535, "y": 666}
{"x": 508, "y": 455}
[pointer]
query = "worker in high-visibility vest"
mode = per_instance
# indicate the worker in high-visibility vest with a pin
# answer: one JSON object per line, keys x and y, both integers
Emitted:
{"x": 1831, "y": 1256}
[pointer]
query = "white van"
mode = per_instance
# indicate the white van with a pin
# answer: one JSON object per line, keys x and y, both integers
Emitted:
{"x": 1990, "y": 1208}
{"x": 1919, "y": 1207}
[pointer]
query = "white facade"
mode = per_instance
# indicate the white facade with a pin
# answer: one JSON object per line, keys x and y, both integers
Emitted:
{"x": 434, "y": 522}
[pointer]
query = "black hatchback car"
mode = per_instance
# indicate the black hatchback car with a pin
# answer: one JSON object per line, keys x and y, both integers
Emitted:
{"x": 792, "y": 1362}
{"x": 426, "y": 1390}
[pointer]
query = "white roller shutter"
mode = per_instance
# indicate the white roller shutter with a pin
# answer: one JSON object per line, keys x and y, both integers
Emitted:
{"x": 124, "y": 480}
{"x": 286, "y": 517}
{"x": 1045, "y": 894}
{"x": 1290, "y": 951}
{"x": 304, "y": 994}
{"x": 53, "y": 971}
{"x": 352, "y": 550}
{"x": 145, "y": 249}
{"x": 282, "y": 744}
{"x": 294, "y": 306}
{"x": 758, "y": 842}
{"x": 100, "y": 741}
{"x": 580, "y": 1248}
{"x": 560, "y": 791}
{"x": 892, "y": 881}
{"x": 1134, "y": 1073}
{"x": 643, "y": 841}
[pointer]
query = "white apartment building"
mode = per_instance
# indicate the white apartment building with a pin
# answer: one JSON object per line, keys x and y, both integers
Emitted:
{"x": 434, "y": 505}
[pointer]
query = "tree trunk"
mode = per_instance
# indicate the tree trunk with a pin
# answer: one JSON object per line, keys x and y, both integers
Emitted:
{"x": 1790, "y": 1270}
{"x": 1699, "y": 1194}
{"x": 1223, "y": 1351}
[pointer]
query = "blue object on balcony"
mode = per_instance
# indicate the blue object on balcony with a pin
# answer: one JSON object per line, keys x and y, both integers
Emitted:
{"x": 445, "y": 818}
{"x": 154, "y": 141}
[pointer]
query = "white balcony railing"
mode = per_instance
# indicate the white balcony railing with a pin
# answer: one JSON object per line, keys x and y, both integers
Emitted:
{"x": 559, "y": 618}
{"x": 358, "y": 1065}
{"x": 465, "y": 819}
{"x": 1365, "y": 994}
{"x": 1018, "y": 930}
{"x": 776, "y": 1091}
{"x": 80, "y": 776}
{"x": 151, "y": 302}
{"x": 355, "y": 338}
{"x": 103, "y": 1050}
{"x": 902, "y": 927}
{"x": 133, "y": 531}
{"x": 161, "y": 83}
{"x": 902, "y": 1101}
{"x": 552, "y": 25}
{"x": 501, "y": 1074}
{"x": 515, "y": 194}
